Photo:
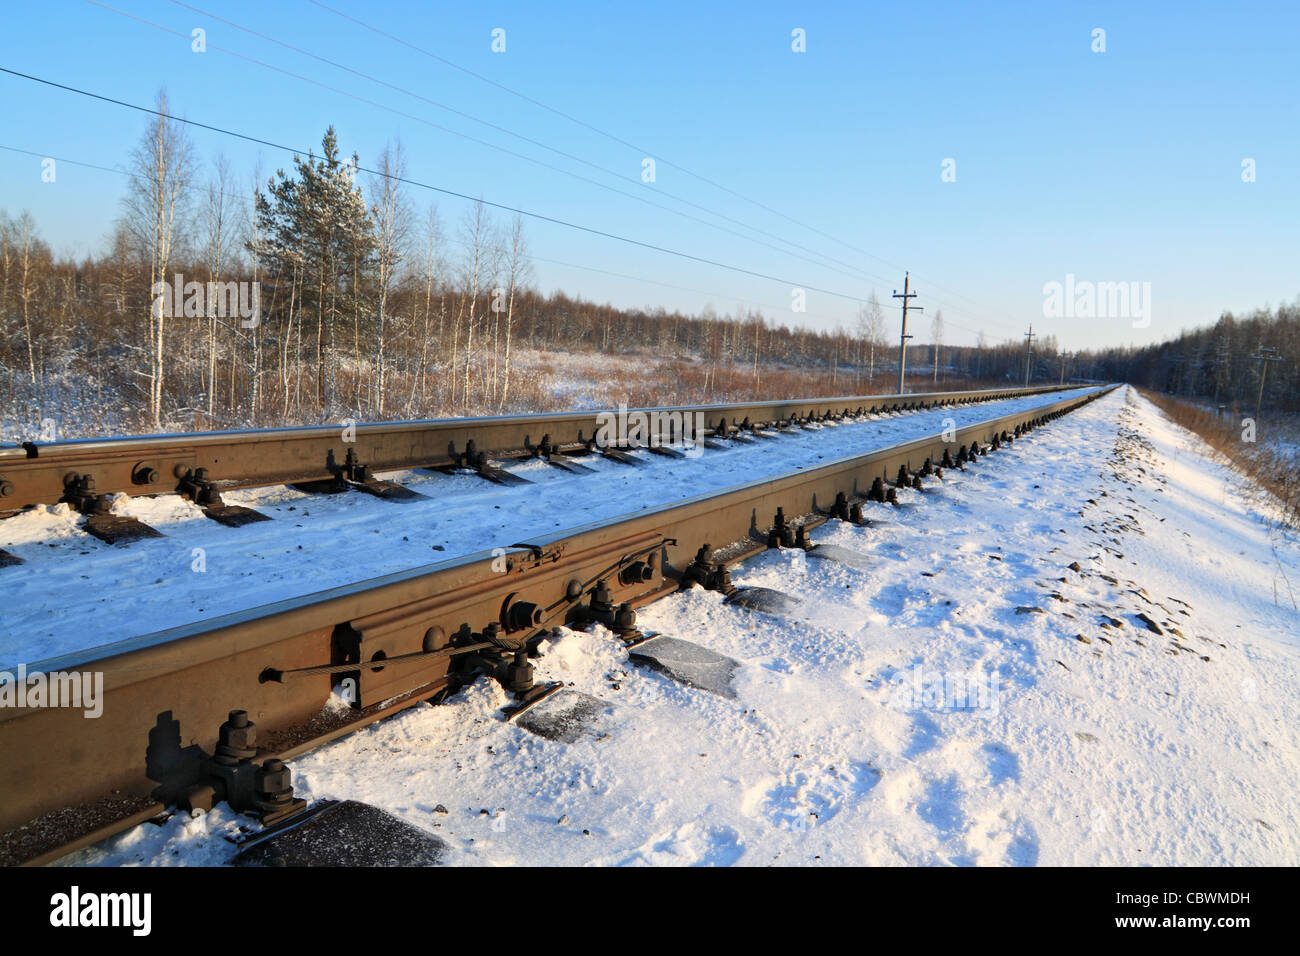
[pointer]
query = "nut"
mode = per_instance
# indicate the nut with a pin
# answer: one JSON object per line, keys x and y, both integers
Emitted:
{"x": 238, "y": 732}
{"x": 274, "y": 777}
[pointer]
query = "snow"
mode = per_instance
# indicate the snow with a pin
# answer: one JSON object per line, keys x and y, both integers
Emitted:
{"x": 56, "y": 603}
{"x": 935, "y": 707}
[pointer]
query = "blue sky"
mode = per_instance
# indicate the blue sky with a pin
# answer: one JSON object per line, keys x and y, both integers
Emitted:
{"x": 1117, "y": 166}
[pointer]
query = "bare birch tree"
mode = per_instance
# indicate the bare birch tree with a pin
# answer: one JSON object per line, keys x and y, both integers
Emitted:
{"x": 25, "y": 234}
{"x": 392, "y": 217}
{"x": 155, "y": 213}
{"x": 875, "y": 332}
{"x": 519, "y": 268}
{"x": 475, "y": 228}
{"x": 217, "y": 241}
{"x": 431, "y": 274}
{"x": 252, "y": 242}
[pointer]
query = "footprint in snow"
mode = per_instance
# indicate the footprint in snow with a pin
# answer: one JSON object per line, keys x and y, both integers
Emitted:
{"x": 692, "y": 844}
{"x": 804, "y": 799}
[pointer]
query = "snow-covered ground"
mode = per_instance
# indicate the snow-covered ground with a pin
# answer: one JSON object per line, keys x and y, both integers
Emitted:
{"x": 968, "y": 699}
{"x": 75, "y": 592}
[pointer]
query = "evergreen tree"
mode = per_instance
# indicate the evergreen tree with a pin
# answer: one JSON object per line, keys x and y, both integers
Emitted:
{"x": 315, "y": 226}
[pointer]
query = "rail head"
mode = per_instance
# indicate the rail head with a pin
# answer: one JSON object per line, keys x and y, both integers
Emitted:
{"x": 41, "y": 473}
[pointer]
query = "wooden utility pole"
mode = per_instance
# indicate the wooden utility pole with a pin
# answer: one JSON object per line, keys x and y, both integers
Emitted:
{"x": 1220, "y": 361}
{"x": 902, "y": 341}
{"x": 1029, "y": 352}
{"x": 1265, "y": 356}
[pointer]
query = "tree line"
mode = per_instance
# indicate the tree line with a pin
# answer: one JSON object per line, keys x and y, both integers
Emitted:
{"x": 363, "y": 306}
{"x": 1237, "y": 362}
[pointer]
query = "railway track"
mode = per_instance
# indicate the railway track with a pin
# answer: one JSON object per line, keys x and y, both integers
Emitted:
{"x": 167, "y": 734}
{"x": 201, "y": 465}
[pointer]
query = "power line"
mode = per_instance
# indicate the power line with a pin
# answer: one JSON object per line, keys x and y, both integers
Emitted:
{"x": 573, "y": 119}
{"x": 474, "y": 139}
{"x": 721, "y": 296}
{"x": 70, "y": 162}
{"x": 630, "y": 145}
{"x": 541, "y": 217}
{"x": 502, "y": 129}
{"x": 821, "y": 261}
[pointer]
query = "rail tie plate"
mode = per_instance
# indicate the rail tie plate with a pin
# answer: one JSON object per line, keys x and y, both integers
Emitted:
{"x": 343, "y": 834}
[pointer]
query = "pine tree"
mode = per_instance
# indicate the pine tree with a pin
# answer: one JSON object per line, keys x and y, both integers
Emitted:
{"x": 317, "y": 221}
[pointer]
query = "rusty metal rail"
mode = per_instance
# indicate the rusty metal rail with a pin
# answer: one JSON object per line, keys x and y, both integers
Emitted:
{"x": 397, "y": 638}
{"x": 34, "y": 474}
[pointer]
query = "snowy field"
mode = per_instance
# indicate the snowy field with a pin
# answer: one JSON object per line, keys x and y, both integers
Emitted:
{"x": 56, "y": 602}
{"x": 968, "y": 699}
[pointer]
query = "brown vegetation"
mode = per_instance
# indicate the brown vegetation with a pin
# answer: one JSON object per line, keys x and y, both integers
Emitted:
{"x": 1263, "y": 463}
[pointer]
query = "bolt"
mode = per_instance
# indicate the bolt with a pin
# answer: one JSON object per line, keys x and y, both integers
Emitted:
{"x": 523, "y": 614}
{"x": 238, "y": 734}
{"x": 638, "y": 572}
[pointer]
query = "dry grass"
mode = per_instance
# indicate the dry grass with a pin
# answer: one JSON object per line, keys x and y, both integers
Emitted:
{"x": 1267, "y": 467}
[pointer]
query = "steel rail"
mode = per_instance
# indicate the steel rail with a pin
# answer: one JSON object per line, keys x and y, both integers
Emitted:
{"x": 165, "y": 694}
{"x": 38, "y": 474}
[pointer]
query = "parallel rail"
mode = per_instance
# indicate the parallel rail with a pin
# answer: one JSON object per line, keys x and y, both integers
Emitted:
{"x": 37, "y": 474}
{"x": 166, "y": 693}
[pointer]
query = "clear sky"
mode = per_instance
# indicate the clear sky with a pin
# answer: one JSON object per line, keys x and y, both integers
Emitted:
{"x": 1117, "y": 166}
